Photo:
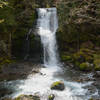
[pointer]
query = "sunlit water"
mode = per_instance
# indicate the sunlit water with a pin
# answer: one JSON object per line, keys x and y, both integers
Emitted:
{"x": 40, "y": 83}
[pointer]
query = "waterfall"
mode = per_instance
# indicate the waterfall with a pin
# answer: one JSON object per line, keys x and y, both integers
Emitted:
{"x": 40, "y": 83}
{"x": 47, "y": 25}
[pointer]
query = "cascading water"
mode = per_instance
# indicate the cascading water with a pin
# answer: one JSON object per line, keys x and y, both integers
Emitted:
{"x": 47, "y": 25}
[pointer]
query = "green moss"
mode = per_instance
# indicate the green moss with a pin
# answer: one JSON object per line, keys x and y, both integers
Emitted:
{"x": 96, "y": 56}
{"x": 51, "y": 97}
{"x": 85, "y": 66}
{"x": 83, "y": 55}
{"x": 66, "y": 58}
{"x": 97, "y": 68}
{"x": 77, "y": 63}
{"x": 19, "y": 97}
{"x": 91, "y": 99}
{"x": 56, "y": 83}
{"x": 5, "y": 60}
{"x": 28, "y": 97}
{"x": 97, "y": 64}
{"x": 59, "y": 85}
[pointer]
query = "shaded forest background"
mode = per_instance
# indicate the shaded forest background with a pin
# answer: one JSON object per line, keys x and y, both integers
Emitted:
{"x": 78, "y": 34}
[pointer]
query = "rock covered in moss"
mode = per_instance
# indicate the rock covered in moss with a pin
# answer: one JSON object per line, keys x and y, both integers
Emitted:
{"x": 28, "y": 97}
{"x": 51, "y": 97}
{"x": 58, "y": 85}
{"x": 97, "y": 64}
{"x": 83, "y": 55}
{"x": 66, "y": 58}
{"x": 91, "y": 99}
{"x": 85, "y": 66}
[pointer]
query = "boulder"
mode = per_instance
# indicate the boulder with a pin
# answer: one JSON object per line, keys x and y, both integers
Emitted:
{"x": 28, "y": 97}
{"x": 51, "y": 97}
{"x": 97, "y": 64}
{"x": 85, "y": 66}
{"x": 97, "y": 74}
{"x": 58, "y": 85}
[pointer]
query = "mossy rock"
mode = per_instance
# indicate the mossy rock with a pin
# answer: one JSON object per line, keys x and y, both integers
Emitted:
{"x": 51, "y": 97}
{"x": 28, "y": 97}
{"x": 85, "y": 66}
{"x": 59, "y": 85}
{"x": 66, "y": 58}
{"x": 91, "y": 99}
{"x": 77, "y": 64}
{"x": 97, "y": 64}
{"x": 4, "y": 61}
{"x": 96, "y": 56}
{"x": 79, "y": 56}
{"x": 83, "y": 55}
{"x": 97, "y": 68}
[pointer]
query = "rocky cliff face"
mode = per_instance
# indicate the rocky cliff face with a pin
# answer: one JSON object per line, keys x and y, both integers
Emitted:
{"x": 78, "y": 23}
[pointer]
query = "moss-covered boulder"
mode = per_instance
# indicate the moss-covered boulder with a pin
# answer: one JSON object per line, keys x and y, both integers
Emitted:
{"x": 58, "y": 85}
{"x": 83, "y": 55}
{"x": 51, "y": 97}
{"x": 28, "y": 97}
{"x": 85, "y": 66}
{"x": 91, "y": 99}
{"x": 66, "y": 58}
{"x": 97, "y": 64}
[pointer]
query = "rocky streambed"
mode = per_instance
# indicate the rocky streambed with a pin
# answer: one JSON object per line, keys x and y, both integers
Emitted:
{"x": 29, "y": 81}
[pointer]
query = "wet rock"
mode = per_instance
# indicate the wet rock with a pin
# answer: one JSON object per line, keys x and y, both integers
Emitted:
{"x": 59, "y": 85}
{"x": 95, "y": 84}
{"x": 19, "y": 70}
{"x": 28, "y": 97}
{"x": 51, "y": 97}
{"x": 97, "y": 74}
{"x": 91, "y": 99}
{"x": 7, "y": 99}
{"x": 4, "y": 91}
{"x": 35, "y": 71}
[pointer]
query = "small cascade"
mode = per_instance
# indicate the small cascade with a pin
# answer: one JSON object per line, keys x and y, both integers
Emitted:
{"x": 47, "y": 25}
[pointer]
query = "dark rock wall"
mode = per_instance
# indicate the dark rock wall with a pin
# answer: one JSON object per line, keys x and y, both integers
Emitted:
{"x": 78, "y": 24}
